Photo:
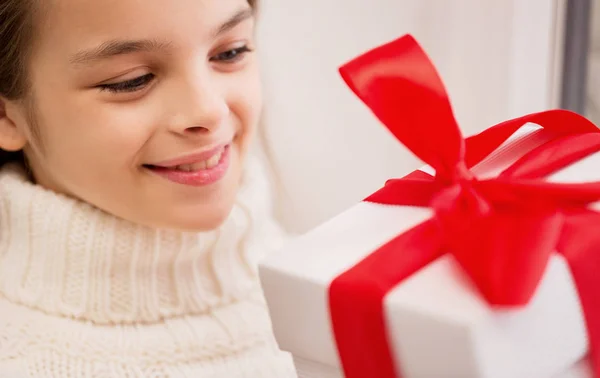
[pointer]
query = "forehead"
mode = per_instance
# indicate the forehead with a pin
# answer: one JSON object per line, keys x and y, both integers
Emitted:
{"x": 69, "y": 25}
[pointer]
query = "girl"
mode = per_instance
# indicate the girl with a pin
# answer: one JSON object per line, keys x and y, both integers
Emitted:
{"x": 130, "y": 219}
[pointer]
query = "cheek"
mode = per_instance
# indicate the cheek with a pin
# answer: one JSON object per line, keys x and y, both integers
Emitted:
{"x": 246, "y": 104}
{"x": 103, "y": 136}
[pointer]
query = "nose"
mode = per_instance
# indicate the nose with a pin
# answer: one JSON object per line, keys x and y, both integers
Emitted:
{"x": 198, "y": 107}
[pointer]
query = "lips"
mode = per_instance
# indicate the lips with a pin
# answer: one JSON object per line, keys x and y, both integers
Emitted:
{"x": 196, "y": 169}
{"x": 200, "y": 165}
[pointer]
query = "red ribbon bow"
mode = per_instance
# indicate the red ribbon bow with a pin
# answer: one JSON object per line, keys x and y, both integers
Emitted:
{"x": 501, "y": 231}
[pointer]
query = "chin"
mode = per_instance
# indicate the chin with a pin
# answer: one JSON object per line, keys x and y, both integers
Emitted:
{"x": 205, "y": 224}
{"x": 207, "y": 220}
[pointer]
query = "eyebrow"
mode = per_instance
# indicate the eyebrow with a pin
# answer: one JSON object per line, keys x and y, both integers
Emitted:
{"x": 116, "y": 47}
{"x": 122, "y": 47}
{"x": 234, "y": 21}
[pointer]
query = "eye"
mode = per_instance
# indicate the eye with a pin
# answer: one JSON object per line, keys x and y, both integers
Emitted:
{"x": 232, "y": 55}
{"x": 128, "y": 86}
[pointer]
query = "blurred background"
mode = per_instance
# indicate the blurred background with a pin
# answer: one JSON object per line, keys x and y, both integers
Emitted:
{"x": 498, "y": 58}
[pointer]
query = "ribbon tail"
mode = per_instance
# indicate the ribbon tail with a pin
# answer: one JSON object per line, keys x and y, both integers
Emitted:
{"x": 421, "y": 175}
{"x": 504, "y": 250}
{"x": 356, "y": 300}
{"x": 406, "y": 192}
{"x": 579, "y": 244}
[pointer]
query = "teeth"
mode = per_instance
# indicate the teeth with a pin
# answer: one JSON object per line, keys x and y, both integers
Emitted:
{"x": 192, "y": 167}
{"x": 213, "y": 161}
{"x": 207, "y": 164}
{"x": 198, "y": 166}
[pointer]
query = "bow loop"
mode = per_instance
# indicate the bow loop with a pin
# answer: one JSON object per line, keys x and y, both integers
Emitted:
{"x": 403, "y": 90}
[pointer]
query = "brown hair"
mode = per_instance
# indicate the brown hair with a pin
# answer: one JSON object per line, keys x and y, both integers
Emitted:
{"x": 16, "y": 38}
{"x": 16, "y": 33}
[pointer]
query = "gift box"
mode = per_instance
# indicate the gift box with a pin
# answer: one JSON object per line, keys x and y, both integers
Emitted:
{"x": 484, "y": 263}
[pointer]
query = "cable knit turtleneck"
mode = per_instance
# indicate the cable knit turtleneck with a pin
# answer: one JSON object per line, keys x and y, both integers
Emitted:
{"x": 85, "y": 294}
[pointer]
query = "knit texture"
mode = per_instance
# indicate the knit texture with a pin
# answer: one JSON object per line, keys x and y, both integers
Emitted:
{"x": 85, "y": 294}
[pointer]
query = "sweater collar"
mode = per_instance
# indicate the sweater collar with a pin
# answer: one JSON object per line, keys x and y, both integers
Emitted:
{"x": 67, "y": 258}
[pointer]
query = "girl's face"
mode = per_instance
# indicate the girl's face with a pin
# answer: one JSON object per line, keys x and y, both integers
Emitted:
{"x": 143, "y": 108}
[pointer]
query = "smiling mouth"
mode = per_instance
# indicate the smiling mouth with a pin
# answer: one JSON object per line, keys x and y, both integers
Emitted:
{"x": 203, "y": 165}
{"x": 196, "y": 173}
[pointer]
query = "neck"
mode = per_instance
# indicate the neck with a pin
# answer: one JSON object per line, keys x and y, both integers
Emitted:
{"x": 67, "y": 258}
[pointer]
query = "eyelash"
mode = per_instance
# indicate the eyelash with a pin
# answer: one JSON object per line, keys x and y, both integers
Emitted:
{"x": 228, "y": 57}
{"x": 129, "y": 85}
{"x": 238, "y": 53}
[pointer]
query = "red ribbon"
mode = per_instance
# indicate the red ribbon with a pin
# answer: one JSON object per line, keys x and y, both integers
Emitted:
{"x": 501, "y": 231}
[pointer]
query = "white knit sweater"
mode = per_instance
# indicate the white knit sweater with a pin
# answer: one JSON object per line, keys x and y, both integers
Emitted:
{"x": 84, "y": 294}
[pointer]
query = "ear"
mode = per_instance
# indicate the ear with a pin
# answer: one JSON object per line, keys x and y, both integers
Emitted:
{"x": 11, "y": 137}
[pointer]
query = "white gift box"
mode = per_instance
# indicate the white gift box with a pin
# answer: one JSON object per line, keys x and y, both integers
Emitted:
{"x": 439, "y": 325}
